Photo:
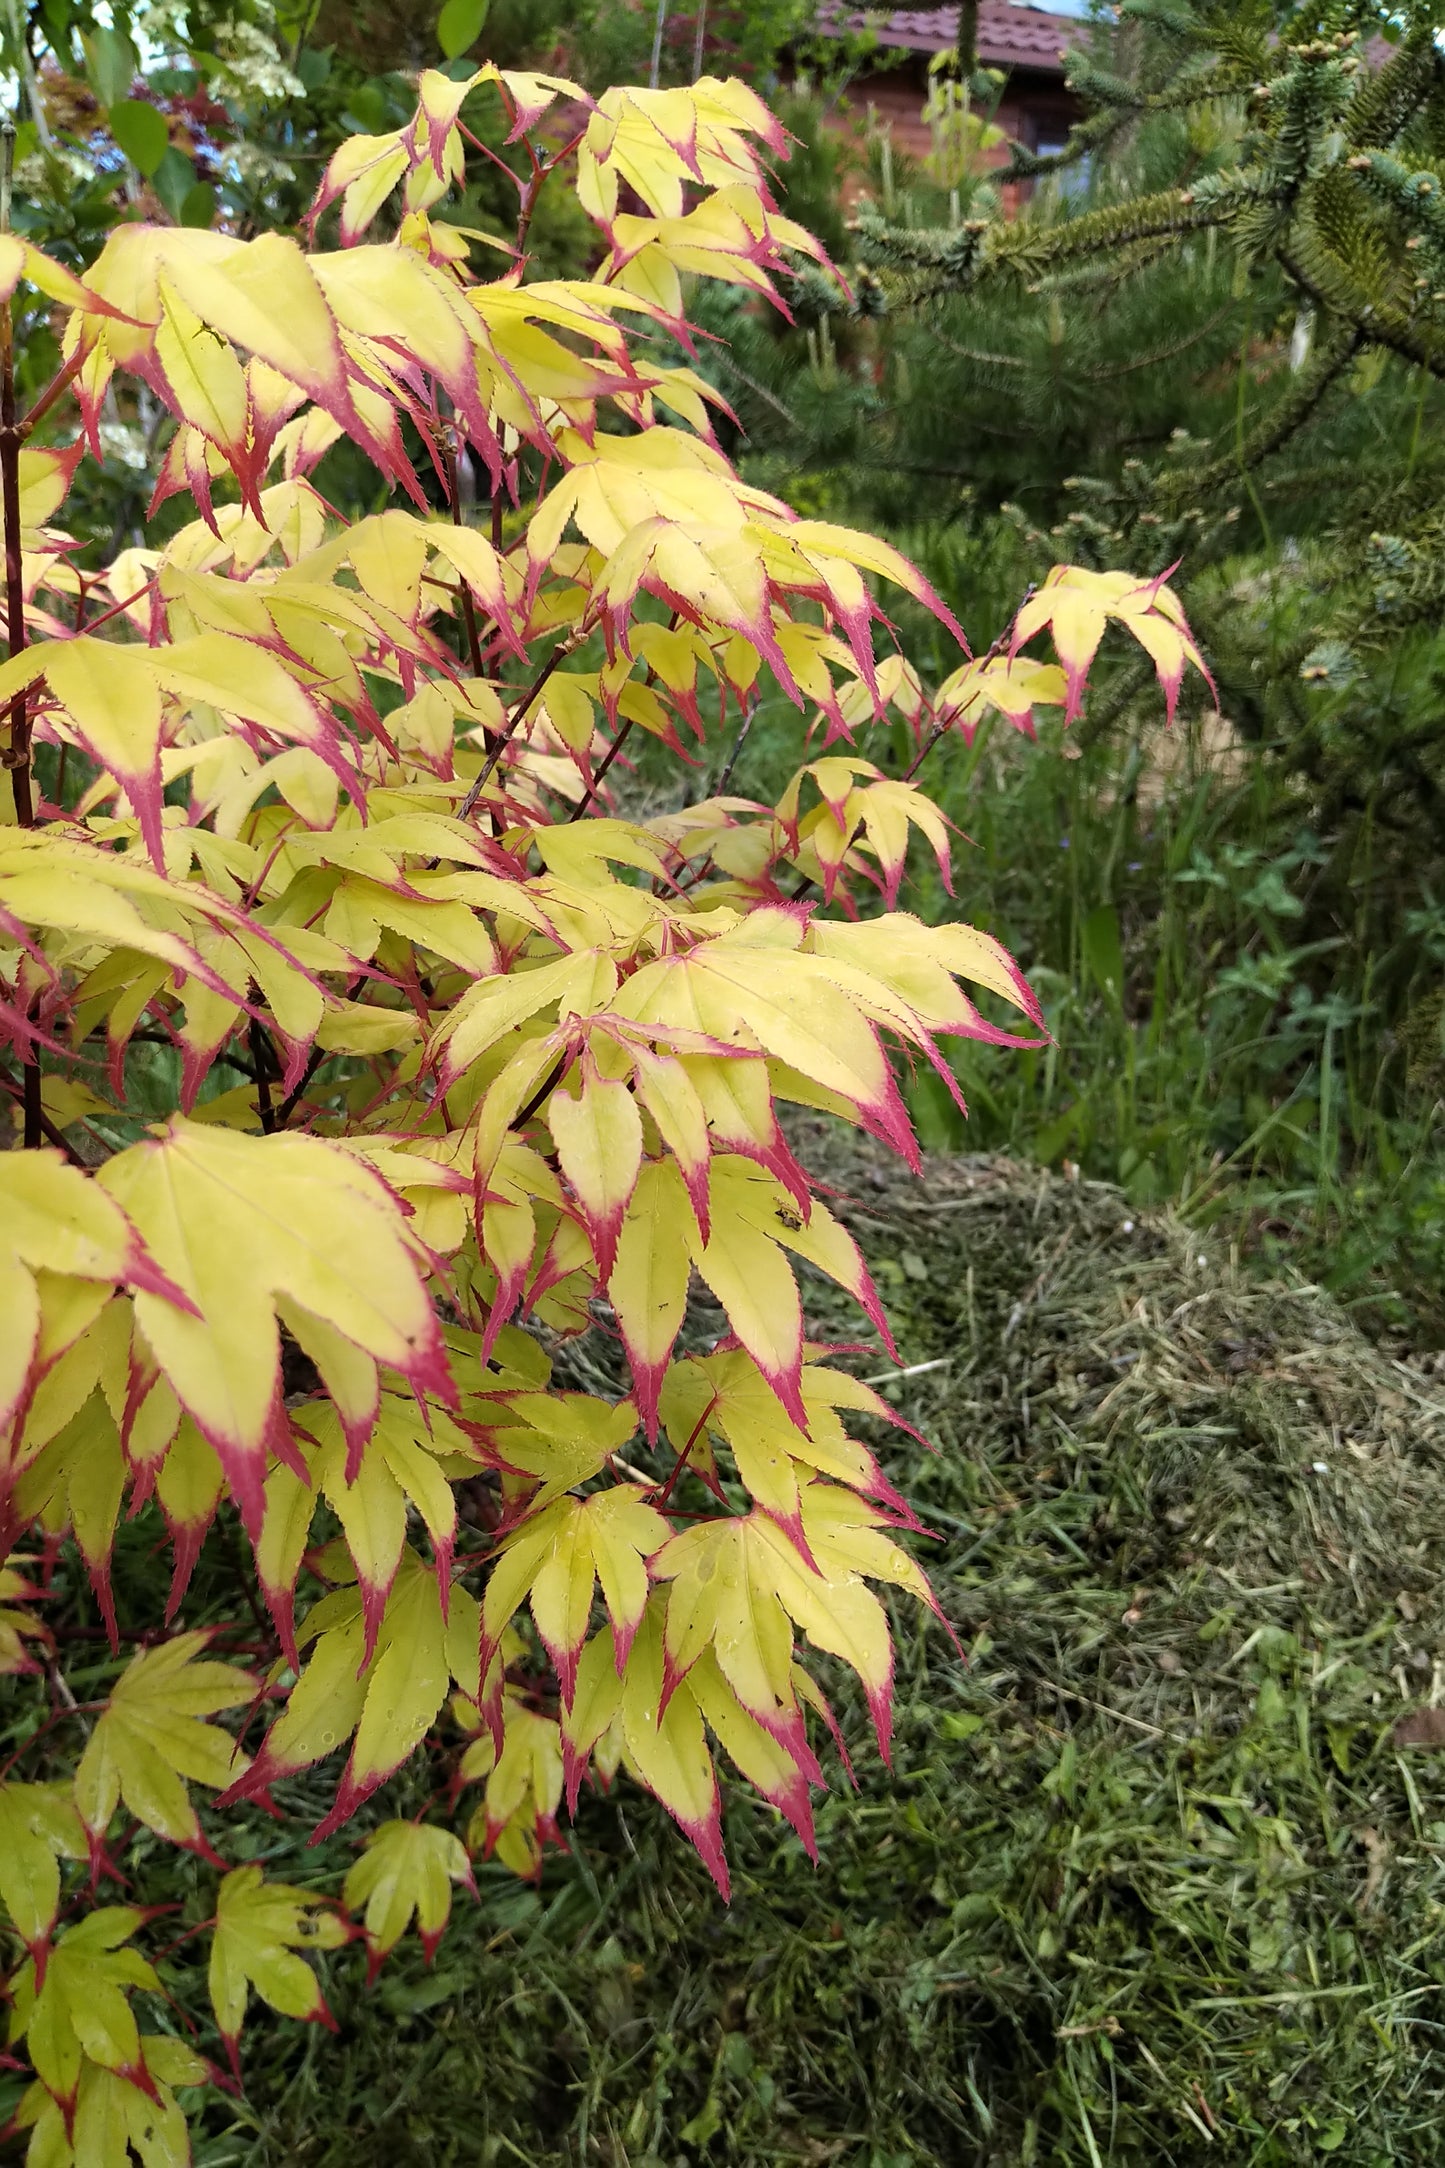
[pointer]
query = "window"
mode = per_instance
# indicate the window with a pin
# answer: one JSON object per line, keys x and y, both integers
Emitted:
{"x": 1049, "y": 138}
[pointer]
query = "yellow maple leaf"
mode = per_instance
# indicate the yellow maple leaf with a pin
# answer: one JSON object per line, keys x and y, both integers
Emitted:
{"x": 260, "y": 1929}
{"x": 407, "y": 1869}
{"x": 1077, "y": 605}
{"x": 152, "y": 1736}
{"x": 557, "y": 1556}
{"x": 238, "y": 1222}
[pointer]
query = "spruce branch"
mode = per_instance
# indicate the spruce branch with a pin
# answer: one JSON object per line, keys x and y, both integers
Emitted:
{"x": 1331, "y": 358}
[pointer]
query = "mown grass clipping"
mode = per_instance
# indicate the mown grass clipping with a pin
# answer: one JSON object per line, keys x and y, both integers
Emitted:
{"x": 1157, "y": 1875}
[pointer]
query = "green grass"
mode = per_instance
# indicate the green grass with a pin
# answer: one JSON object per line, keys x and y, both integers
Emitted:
{"x": 1243, "y": 1005}
{"x": 1225, "y": 1036}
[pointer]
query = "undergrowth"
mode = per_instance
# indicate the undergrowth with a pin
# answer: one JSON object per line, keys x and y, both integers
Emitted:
{"x": 1241, "y": 979}
{"x": 1158, "y": 1875}
{"x": 1244, "y": 1007}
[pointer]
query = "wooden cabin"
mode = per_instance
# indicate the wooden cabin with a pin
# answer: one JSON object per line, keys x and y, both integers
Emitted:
{"x": 1024, "y": 43}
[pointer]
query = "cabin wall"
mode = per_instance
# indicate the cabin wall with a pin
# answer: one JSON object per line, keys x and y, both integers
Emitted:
{"x": 1035, "y": 110}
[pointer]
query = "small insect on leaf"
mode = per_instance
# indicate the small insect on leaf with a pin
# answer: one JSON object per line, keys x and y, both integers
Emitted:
{"x": 260, "y": 1928}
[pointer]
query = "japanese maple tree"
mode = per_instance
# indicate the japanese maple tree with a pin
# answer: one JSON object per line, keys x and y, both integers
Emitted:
{"x": 460, "y": 1063}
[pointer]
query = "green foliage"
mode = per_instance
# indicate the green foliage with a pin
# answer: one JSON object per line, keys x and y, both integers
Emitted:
{"x": 1254, "y": 255}
{"x": 1220, "y": 1033}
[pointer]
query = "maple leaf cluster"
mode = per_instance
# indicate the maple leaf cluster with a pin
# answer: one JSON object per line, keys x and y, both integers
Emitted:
{"x": 464, "y": 1063}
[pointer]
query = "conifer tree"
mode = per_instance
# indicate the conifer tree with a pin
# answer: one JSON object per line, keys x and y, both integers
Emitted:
{"x": 1215, "y": 333}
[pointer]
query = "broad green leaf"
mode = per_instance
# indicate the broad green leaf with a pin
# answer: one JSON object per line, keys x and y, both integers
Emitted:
{"x": 459, "y": 25}
{"x": 198, "y": 205}
{"x": 141, "y": 131}
{"x": 111, "y": 65}
{"x": 173, "y": 180}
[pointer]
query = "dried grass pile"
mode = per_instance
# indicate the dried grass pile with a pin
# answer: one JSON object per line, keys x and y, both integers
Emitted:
{"x": 1159, "y": 1874}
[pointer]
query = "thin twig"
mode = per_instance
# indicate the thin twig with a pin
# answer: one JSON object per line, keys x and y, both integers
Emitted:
{"x": 260, "y": 1049}
{"x": 293, "y": 1099}
{"x": 939, "y": 730}
{"x": 990, "y": 655}
{"x": 264, "y": 1626}
{"x": 468, "y": 805}
{"x": 46, "y": 1126}
{"x": 17, "y": 757}
{"x": 596, "y": 783}
{"x": 725, "y": 776}
{"x": 52, "y": 392}
{"x": 56, "y": 1716}
{"x": 663, "y": 1492}
{"x": 549, "y": 1083}
{"x": 725, "y": 773}
{"x": 314, "y": 1059}
{"x": 469, "y": 612}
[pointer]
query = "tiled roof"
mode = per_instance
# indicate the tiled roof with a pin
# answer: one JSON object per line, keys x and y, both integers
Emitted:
{"x": 1009, "y": 35}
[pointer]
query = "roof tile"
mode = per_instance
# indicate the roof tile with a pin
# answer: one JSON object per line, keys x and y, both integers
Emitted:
{"x": 1010, "y": 35}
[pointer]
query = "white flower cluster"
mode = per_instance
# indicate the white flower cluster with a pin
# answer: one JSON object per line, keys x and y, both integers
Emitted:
{"x": 35, "y": 176}
{"x": 255, "y": 167}
{"x": 251, "y": 66}
{"x": 250, "y": 60}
